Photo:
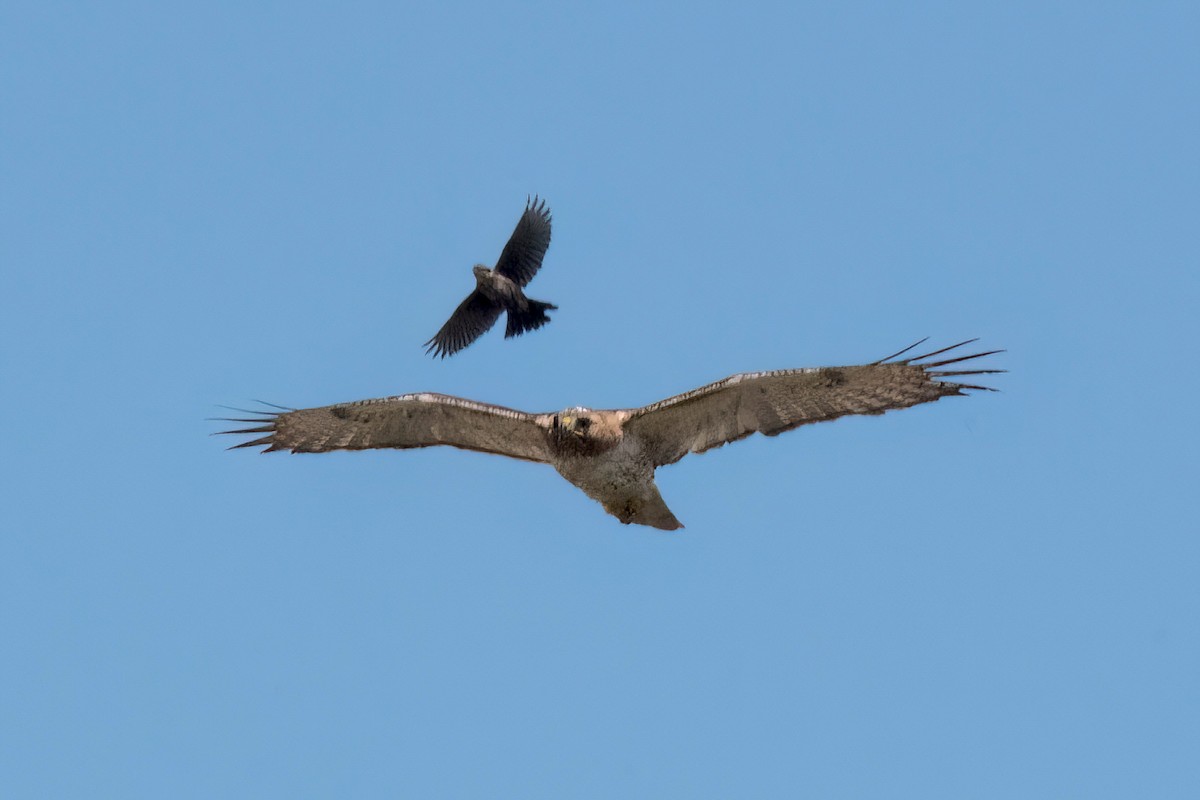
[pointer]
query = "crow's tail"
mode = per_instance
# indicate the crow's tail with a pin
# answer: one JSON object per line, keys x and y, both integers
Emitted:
{"x": 529, "y": 319}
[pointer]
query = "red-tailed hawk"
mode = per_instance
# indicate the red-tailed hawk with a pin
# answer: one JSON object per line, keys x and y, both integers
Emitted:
{"x": 501, "y": 289}
{"x": 612, "y": 455}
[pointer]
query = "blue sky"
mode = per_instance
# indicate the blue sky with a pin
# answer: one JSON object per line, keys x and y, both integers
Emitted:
{"x": 986, "y": 597}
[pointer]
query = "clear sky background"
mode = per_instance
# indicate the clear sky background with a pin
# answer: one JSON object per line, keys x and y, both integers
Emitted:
{"x": 990, "y": 597}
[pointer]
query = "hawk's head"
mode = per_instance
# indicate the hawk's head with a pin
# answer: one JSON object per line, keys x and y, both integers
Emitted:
{"x": 583, "y": 429}
{"x": 576, "y": 421}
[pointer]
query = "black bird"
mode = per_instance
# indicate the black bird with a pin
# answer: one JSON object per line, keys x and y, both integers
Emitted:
{"x": 500, "y": 289}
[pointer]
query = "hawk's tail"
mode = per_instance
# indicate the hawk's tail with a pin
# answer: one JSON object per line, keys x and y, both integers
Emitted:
{"x": 530, "y": 319}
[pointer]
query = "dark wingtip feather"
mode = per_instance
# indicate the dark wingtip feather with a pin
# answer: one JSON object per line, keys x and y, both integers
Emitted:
{"x": 930, "y": 368}
{"x": 937, "y": 375}
{"x": 440, "y": 349}
{"x": 272, "y": 405}
{"x": 902, "y": 352}
{"x": 943, "y": 350}
{"x": 960, "y": 358}
{"x": 260, "y": 429}
{"x": 261, "y": 424}
{"x": 248, "y": 410}
{"x": 264, "y": 440}
{"x": 535, "y": 207}
{"x": 942, "y": 373}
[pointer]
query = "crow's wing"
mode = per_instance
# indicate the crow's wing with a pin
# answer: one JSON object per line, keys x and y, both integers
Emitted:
{"x": 473, "y": 317}
{"x": 522, "y": 256}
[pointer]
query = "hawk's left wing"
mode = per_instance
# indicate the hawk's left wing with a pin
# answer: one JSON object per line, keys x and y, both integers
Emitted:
{"x": 773, "y": 402}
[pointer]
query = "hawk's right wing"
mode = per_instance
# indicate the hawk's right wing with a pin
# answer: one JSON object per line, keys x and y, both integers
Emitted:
{"x": 406, "y": 421}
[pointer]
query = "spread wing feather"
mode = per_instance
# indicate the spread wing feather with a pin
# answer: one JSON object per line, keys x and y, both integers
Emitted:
{"x": 522, "y": 256}
{"x": 773, "y": 402}
{"x": 406, "y": 421}
{"x": 473, "y": 318}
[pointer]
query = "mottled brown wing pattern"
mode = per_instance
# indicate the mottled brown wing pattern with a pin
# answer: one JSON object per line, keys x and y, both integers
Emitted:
{"x": 773, "y": 402}
{"x": 522, "y": 256}
{"x": 473, "y": 318}
{"x": 402, "y": 422}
